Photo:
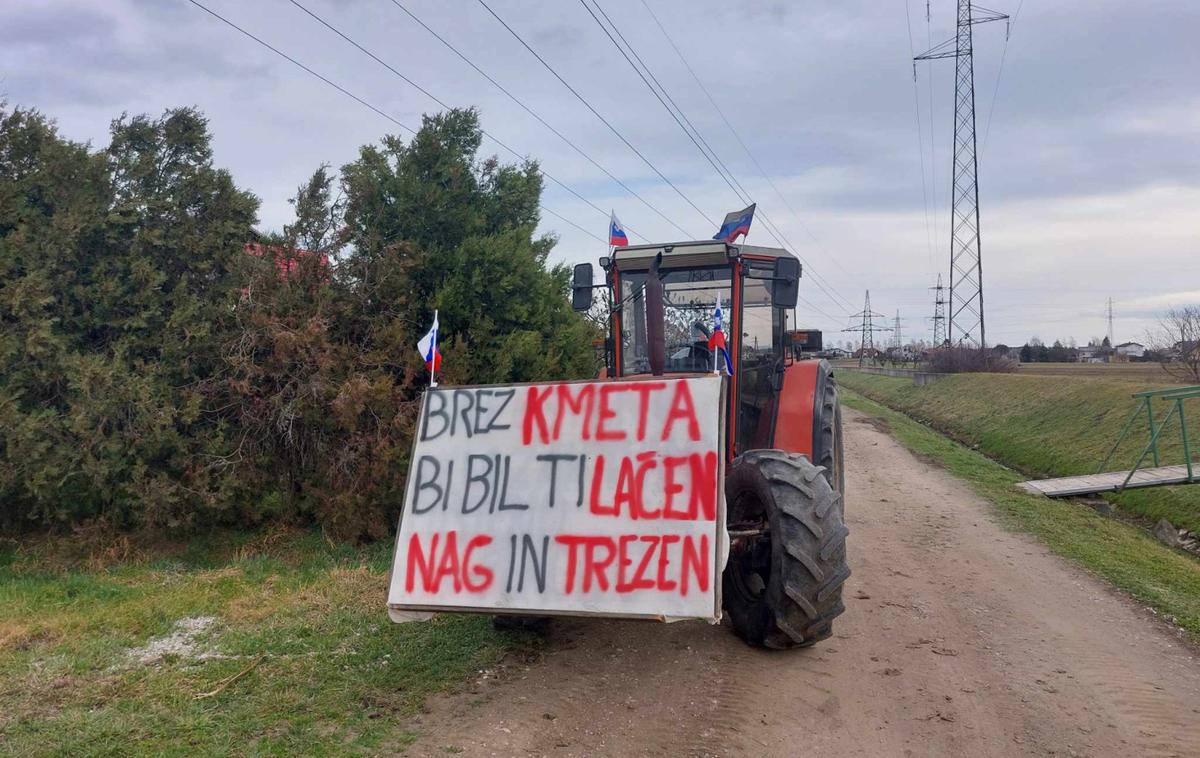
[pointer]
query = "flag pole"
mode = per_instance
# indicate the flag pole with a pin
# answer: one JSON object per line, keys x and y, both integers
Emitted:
{"x": 716, "y": 370}
{"x": 433, "y": 358}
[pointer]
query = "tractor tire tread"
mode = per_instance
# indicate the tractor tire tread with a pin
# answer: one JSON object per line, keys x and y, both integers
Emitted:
{"x": 809, "y": 537}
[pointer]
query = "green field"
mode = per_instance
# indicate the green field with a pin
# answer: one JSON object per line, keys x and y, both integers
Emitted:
{"x": 1164, "y": 579}
{"x": 1045, "y": 426}
{"x": 1152, "y": 373}
{"x": 276, "y": 644}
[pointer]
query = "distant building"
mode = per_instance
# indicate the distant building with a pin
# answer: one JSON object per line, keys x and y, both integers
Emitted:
{"x": 1129, "y": 350}
{"x": 1094, "y": 354}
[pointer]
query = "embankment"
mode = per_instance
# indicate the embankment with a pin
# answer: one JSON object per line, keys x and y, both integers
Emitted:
{"x": 1047, "y": 426}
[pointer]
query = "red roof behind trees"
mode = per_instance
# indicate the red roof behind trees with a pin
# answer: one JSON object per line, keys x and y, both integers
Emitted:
{"x": 286, "y": 259}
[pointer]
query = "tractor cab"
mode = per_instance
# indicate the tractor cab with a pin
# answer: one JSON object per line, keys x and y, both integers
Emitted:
{"x": 782, "y": 583}
{"x": 663, "y": 301}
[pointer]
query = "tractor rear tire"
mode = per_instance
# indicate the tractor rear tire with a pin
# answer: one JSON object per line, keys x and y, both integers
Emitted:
{"x": 783, "y": 588}
{"x": 827, "y": 429}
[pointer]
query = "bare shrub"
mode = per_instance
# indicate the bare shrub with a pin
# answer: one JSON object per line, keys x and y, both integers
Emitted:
{"x": 962, "y": 360}
{"x": 1177, "y": 343}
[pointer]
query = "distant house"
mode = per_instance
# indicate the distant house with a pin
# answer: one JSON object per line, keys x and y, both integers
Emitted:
{"x": 1127, "y": 350}
{"x": 1183, "y": 348}
{"x": 1094, "y": 354}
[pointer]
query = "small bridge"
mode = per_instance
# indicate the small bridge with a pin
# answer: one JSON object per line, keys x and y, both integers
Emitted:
{"x": 1140, "y": 475}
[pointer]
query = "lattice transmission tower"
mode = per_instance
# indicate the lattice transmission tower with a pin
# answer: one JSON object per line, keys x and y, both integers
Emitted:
{"x": 965, "y": 324}
{"x": 1109, "y": 314}
{"x": 939, "y": 313}
{"x": 867, "y": 330}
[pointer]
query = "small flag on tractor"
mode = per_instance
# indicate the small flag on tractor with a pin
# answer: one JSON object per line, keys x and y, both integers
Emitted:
{"x": 736, "y": 224}
{"x": 716, "y": 342}
{"x": 428, "y": 348}
{"x": 616, "y": 232}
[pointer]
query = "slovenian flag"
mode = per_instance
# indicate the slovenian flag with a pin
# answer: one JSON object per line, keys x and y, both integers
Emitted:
{"x": 616, "y": 232}
{"x": 428, "y": 348}
{"x": 717, "y": 342}
{"x": 736, "y": 224}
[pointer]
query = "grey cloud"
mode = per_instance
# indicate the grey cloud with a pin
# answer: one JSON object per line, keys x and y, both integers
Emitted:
{"x": 1096, "y": 115}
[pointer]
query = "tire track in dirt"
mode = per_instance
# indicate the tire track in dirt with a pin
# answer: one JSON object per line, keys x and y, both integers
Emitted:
{"x": 959, "y": 639}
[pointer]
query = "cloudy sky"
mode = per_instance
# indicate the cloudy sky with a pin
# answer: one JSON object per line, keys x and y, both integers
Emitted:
{"x": 1089, "y": 172}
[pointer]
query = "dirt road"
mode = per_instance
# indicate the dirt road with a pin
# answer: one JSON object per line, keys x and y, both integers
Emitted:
{"x": 959, "y": 639}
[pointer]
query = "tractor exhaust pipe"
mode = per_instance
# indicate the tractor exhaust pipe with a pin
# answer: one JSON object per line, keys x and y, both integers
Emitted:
{"x": 655, "y": 319}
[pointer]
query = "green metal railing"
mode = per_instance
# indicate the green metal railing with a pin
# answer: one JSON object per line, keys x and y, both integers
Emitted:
{"x": 1174, "y": 398}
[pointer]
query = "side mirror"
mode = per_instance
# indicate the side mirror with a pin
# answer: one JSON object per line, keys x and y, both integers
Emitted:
{"x": 785, "y": 289}
{"x": 581, "y": 287}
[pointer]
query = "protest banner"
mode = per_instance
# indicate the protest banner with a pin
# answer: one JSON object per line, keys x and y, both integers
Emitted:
{"x": 575, "y": 498}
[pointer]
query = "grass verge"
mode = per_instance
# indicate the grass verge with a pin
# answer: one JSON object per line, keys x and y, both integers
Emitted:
{"x": 1047, "y": 426}
{"x": 285, "y": 649}
{"x": 1163, "y": 579}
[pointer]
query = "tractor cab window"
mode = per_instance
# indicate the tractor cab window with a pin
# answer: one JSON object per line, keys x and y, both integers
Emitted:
{"x": 761, "y": 353}
{"x": 689, "y": 298}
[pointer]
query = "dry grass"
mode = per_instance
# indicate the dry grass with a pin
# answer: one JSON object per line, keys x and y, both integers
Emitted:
{"x": 299, "y": 658}
{"x": 1139, "y": 372}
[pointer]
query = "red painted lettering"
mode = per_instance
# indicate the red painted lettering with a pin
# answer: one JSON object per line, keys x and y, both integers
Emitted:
{"x": 643, "y": 389}
{"x": 535, "y": 413}
{"x": 590, "y": 559}
{"x": 671, "y": 488}
{"x": 623, "y": 562}
{"x": 597, "y": 567}
{"x": 572, "y": 542}
{"x": 485, "y": 574}
{"x": 697, "y": 560}
{"x": 646, "y": 461}
{"x": 640, "y": 580}
{"x": 664, "y": 560}
{"x": 594, "y": 504}
{"x": 606, "y": 413}
{"x": 704, "y": 485}
{"x": 683, "y": 409}
{"x": 579, "y": 404}
{"x": 626, "y": 493}
{"x": 418, "y": 562}
{"x": 449, "y": 565}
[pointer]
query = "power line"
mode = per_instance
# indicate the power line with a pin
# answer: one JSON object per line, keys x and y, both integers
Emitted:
{"x": 442, "y": 103}
{"x": 539, "y": 118}
{"x": 716, "y": 106}
{"x": 920, "y": 138}
{"x": 932, "y": 136}
{"x": 595, "y": 112}
{"x": 349, "y": 94}
{"x": 715, "y": 160}
{"x": 987, "y": 128}
{"x": 692, "y": 133}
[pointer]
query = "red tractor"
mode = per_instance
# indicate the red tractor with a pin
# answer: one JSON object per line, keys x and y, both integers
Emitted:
{"x": 782, "y": 585}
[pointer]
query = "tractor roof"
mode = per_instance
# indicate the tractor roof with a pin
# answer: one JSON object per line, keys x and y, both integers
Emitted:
{"x": 698, "y": 252}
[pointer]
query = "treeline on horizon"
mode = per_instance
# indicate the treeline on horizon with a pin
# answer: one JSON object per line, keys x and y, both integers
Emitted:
{"x": 154, "y": 375}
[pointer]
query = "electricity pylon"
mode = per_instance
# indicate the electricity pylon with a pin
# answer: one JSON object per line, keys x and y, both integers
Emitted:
{"x": 867, "y": 330}
{"x": 939, "y": 313}
{"x": 966, "y": 265}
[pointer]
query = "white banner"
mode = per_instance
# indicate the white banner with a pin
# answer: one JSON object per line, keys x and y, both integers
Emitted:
{"x": 569, "y": 498}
